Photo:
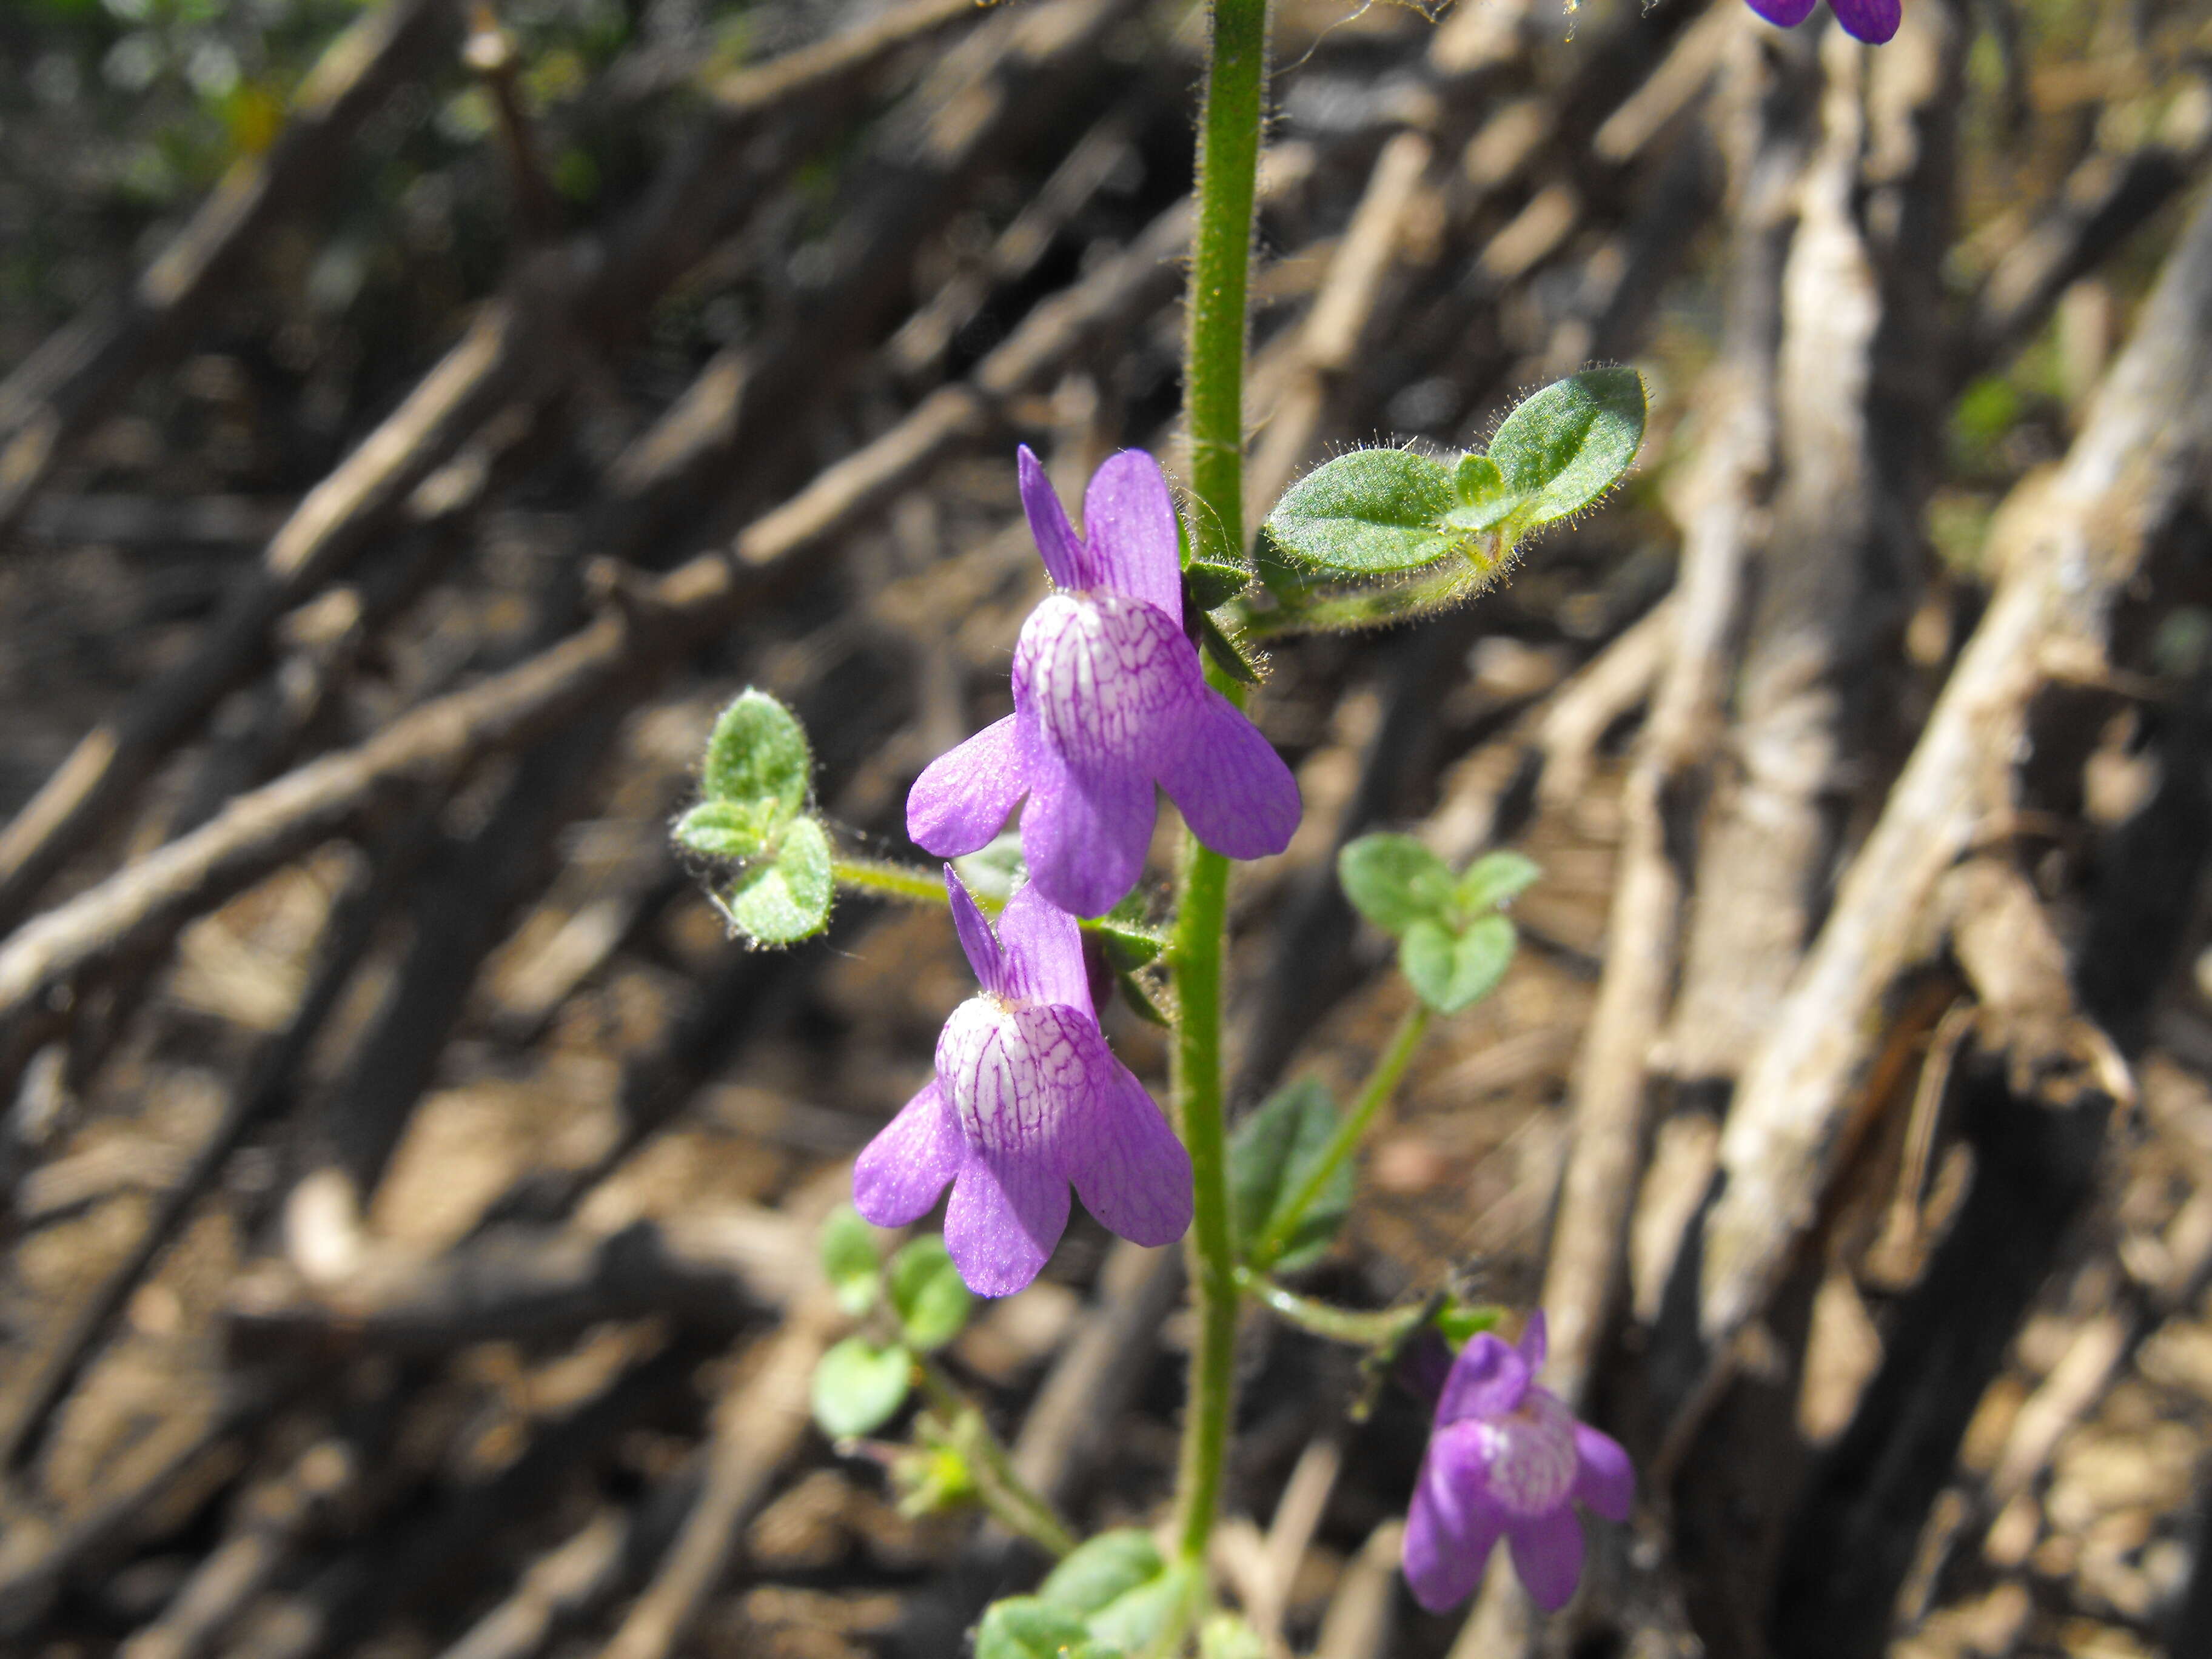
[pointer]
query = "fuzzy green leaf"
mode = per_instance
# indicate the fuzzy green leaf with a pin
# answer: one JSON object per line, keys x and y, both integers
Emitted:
{"x": 1272, "y": 1153}
{"x": 1394, "y": 881}
{"x": 1449, "y": 973}
{"x": 1569, "y": 444}
{"x": 927, "y": 1294}
{"x": 1225, "y": 650}
{"x": 858, "y": 1387}
{"x": 786, "y": 899}
{"x": 1225, "y": 1636}
{"x": 1209, "y": 583}
{"x": 1031, "y": 1627}
{"x": 1136, "y": 1620}
{"x": 1102, "y": 1569}
{"x": 849, "y": 1261}
{"x": 726, "y": 828}
{"x": 1372, "y": 512}
{"x": 758, "y": 755}
{"x": 1485, "y": 500}
{"x": 1459, "y": 1320}
{"x": 1494, "y": 878}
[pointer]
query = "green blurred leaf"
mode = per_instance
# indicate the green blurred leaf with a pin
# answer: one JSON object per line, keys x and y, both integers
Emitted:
{"x": 1102, "y": 1569}
{"x": 1272, "y": 1154}
{"x": 849, "y": 1261}
{"x": 858, "y": 1387}
{"x": 1225, "y": 650}
{"x": 758, "y": 755}
{"x": 1372, "y": 513}
{"x": 1138, "y": 1621}
{"x": 994, "y": 871}
{"x": 726, "y": 829}
{"x": 1569, "y": 444}
{"x": 1448, "y": 973}
{"x": 1394, "y": 881}
{"x": 786, "y": 899}
{"x": 926, "y": 1293}
{"x": 1028, "y": 1627}
{"x": 1460, "y": 1320}
{"x": 1494, "y": 878}
{"x": 1225, "y": 1636}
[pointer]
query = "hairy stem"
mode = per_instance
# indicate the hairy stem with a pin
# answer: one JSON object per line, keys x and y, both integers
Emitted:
{"x": 1381, "y": 1084}
{"x": 1350, "y": 1326}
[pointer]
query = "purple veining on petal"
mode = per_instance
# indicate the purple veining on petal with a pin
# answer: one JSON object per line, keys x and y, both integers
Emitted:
{"x": 1128, "y": 1168}
{"x": 1129, "y": 519}
{"x": 1871, "y": 21}
{"x": 1066, "y": 559}
{"x": 1507, "y": 1453}
{"x": 1085, "y": 842}
{"x": 1105, "y": 679}
{"x": 1230, "y": 786}
{"x": 900, "y": 1173}
{"x": 962, "y": 800}
{"x": 1007, "y": 1212}
{"x": 1044, "y": 952}
{"x": 976, "y": 940}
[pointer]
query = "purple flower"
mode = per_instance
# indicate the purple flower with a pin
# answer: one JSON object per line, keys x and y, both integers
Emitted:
{"x": 1027, "y": 1098}
{"x": 1109, "y": 700}
{"x": 1871, "y": 21}
{"x": 1506, "y": 1456}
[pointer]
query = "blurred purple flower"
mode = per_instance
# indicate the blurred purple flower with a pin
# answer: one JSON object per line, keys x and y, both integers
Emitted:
{"x": 1109, "y": 700}
{"x": 1871, "y": 21}
{"x": 1027, "y": 1098}
{"x": 1507, "y": 1457}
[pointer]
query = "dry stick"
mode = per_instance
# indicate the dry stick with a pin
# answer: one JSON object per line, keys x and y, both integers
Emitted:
{"x": 642, "y": 634}
{"x": 603, "y": 285}
{"x": 1358, "y": 1622}
{"x": 2064, "y": 547}
{"x": 74, "y": 381}
{"x": 1855, "y": 427}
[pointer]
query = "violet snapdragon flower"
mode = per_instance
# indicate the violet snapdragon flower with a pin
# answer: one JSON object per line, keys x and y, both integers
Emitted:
{"x": 1027, "y": 1098}
{"x": 1506, "y": 1456}
{"x": 1871, "y": 21}
{"x": 1109, "y": 700}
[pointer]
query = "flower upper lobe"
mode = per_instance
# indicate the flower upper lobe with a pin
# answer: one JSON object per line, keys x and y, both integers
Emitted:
{"x": 1027, "y": 1099}
{"x": 1508, "y": 1460}
{"x": 1110, "y": 699}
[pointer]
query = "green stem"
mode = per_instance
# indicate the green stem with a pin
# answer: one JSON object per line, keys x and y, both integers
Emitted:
{"x": 884, "y": 879}
{"x": 1003, "y": 1491}
{"x": 1355, "y": 1329}
{"x": 1213, "y": 393}
{"x": 1381, "y": 1085}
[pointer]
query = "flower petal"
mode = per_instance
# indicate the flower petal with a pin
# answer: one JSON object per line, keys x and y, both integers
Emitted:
{"x": 1065, "y": 559}
{"x": 1044, "y": 952}
{"x": 1226, "y": 779}
{"x": 1547, "y": 1553}
{"x": 1604, "y": 1478}
{"x": 982, "y": 950}
{"x": 1130, "y": 518}
{"x": 1085, "y": 843}
{"x": 1007, "y": 1213}
{"x": 1128, "y": 1168}
{"x": 899, "y": 1174}
{"x": 1108, "y": 680}
{"x": 1783, "y": 14}
{"x": 1487, "y": 1379}
{"x": 1871, "y": 21}
{"x": 1452, "y": 1525}
{"x": 1535, "y": 1341}
{"x": 963, "y": 799}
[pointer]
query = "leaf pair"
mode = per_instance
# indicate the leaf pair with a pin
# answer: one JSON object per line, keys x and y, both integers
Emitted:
{"x": 754, "y": 786}
{"x": 1387, "y": 512}
{"x": 1114, "y": 1596}
{"x": 1453, "y": 946}
{"x": 861, "y": 1383}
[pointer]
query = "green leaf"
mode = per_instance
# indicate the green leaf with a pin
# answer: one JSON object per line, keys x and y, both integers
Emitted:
{"x": 927, "y": 1294}
{"x": 1272, "y": 1153}
{"x": 1450, "y": 973}
{"x": 1143, "y": 1002}
{"x": 726, "y": 828}
{"x": 995, "y": 870}
{"x": 1129, "y": 940}
{"x": 1485, "y": 500}
{"x": 1461, "y": 1321}
{"x": 1225, "y": 650}
{"x": 1029, "y": 1627}
{"x": 785, "y": 899}
{"x": 1570, "y": 443}
{"x": 1102, "y": 1570}
{"x": 1224, "y": 1635}
{"x": 849, "y": 1261}
{"x": 1368, "y": 513}
{"x": 1394, "y": 881}
{"x": 1208, "y": 583}
{"x": 858, "y": 1386}
{"x": 1492, "y": 879}
{"x": 1138, "y": 1621}
{"x": 758, "y": 755}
